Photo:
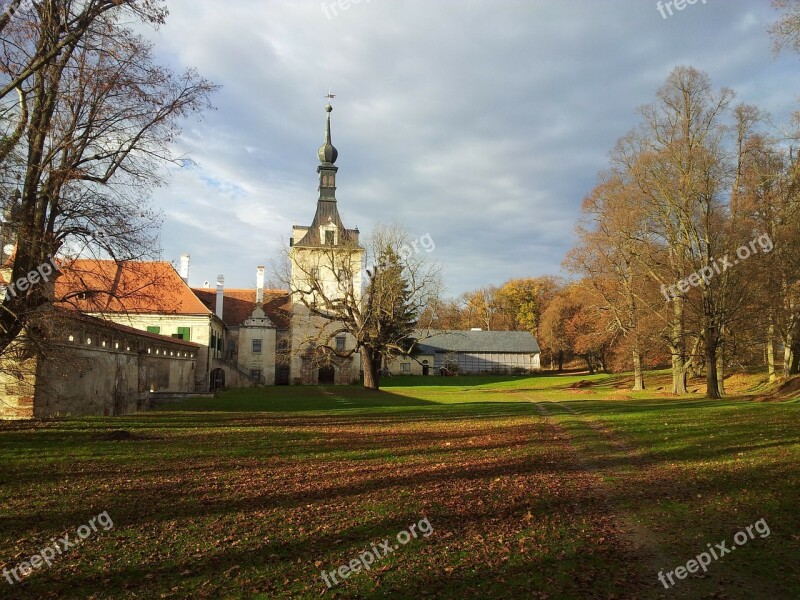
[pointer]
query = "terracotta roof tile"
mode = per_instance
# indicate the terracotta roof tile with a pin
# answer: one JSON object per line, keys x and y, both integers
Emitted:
{"x": 94, "y": 286}
{"x": 240, "y": 304}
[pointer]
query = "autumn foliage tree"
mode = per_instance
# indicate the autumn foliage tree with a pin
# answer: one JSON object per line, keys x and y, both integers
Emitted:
{"x": 700, "y": 204}
{"x": 517, "y": 305}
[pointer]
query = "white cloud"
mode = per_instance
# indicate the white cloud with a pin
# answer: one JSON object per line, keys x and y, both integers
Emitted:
{"x": 483, "y": 124}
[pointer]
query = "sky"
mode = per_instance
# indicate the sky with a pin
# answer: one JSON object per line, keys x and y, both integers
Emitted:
{"x": 481, "y": 124}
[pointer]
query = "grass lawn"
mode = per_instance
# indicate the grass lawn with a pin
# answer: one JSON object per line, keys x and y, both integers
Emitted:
{"x": 521, "y": 487}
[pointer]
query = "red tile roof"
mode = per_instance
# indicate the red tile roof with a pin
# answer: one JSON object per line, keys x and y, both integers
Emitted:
{"x": 240, "y": 304}
{"x": 96, "y": 286}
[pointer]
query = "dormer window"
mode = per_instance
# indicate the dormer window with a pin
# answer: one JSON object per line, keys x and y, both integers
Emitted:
{"x": 328, "y": 234}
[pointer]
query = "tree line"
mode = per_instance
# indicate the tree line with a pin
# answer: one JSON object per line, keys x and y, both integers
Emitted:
{"x": 688, "y": 251}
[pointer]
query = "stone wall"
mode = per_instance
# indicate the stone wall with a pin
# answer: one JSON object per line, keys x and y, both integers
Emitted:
{"x": 17, "y": 388}
{"x": 96, "y": 368}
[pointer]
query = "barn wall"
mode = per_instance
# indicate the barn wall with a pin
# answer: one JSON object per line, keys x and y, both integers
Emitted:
{"x": 488, "y": 362}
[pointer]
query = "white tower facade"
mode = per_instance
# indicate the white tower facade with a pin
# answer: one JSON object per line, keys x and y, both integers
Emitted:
{"x": 326, "y": 262}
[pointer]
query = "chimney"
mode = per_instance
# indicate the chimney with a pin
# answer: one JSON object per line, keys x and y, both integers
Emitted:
{"x": 185, "y": 268}
{"x": 220, "y": 294}
{"x": 260, "y": 285}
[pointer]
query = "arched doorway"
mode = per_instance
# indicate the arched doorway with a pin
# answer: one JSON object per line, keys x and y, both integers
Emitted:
{"x": 217, "y": 379}
{"x": 282, "y": 375}
{"x": 327, "y": 375}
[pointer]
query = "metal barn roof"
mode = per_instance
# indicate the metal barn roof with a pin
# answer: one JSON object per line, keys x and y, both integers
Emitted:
{"x": 512, "y": 342}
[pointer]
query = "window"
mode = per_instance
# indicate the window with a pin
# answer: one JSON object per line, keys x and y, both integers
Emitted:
{"x": 185, "y": 333}
{"x": 154, "y": 329}
{"x": 330, "y": 238}
{"x": 256, "y": 346}
{"x": 213, "y": 342}
{"x": 405, "y": 367}
{"x": 255, "y": 374}
{"x": 232, "y": 346}
{"x": 340, "y": 342}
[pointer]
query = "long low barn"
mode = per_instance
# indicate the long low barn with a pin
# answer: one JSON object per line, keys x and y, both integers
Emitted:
{"x": 472, "y": 352}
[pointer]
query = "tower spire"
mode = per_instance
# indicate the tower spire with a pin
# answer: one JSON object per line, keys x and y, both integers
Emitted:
{"x": 328, "y": 152}
{"x": 327, "y": 228}
{"x": 327, "y": 157}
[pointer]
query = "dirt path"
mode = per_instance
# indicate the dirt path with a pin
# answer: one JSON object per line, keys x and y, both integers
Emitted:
{"x": 643, "y": 543}
{"x": 646, "y": 544}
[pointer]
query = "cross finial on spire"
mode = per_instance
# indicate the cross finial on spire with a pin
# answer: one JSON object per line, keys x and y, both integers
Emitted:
{"x": 330, "y": 95}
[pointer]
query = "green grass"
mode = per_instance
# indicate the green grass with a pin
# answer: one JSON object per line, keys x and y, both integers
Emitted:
{"x": 535, "y": 487}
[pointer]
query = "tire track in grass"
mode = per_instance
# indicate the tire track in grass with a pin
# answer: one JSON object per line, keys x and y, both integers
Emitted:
{"x": 643, "y": 542}
{"x": 642, "y": 538}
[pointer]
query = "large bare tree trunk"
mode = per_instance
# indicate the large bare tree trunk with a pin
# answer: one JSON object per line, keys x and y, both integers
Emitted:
{"x": 589, "y": 364}
{"x": 638, "y": 373}
{"x": 773, "y": 375}
{"x": 788, "y": 356}
{"x": 371, "y": 366}
{"x": 678, "y": 350}
{"x": 720, "y": 364}
{"x": 712, "y": 386}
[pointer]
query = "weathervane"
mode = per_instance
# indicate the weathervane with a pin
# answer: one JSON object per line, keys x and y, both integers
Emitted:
{"x": 330, "y": 95}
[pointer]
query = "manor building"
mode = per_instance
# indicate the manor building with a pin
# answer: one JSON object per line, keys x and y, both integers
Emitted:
{"x": 211, "y": 337}
{"x": 128, "y": 330}
{"x": 247, "y": 336}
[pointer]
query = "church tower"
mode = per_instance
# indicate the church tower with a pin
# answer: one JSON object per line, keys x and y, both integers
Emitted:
{"x": 326, "y": 261}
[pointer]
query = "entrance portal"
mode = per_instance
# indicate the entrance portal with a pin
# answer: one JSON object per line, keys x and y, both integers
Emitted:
{"x": 327, "y": 376}
{"x": 217, "y": 379}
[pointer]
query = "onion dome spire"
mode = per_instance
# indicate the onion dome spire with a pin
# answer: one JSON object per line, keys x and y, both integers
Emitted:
{"x": 328, "y": 152}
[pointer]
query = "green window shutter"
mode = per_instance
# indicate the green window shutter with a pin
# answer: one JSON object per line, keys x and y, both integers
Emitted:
{"x": 185, "y": 333}
{"x": 154, "y": 329}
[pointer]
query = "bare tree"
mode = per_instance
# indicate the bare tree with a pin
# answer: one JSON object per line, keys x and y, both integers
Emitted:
{"x": 379, "y": 316}
{"x": 786, "y": 31}
{"x": 98, "y": 118}
{"x": 677, "y": 160}
{"x": 607, "y": 255}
